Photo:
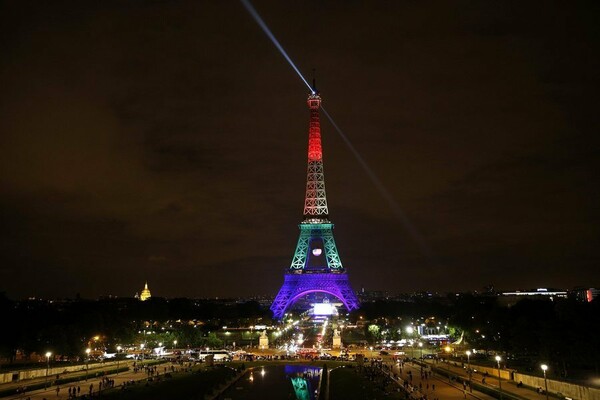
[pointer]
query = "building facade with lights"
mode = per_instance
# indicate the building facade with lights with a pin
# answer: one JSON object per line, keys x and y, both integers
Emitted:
{"x": 145, "y": 295}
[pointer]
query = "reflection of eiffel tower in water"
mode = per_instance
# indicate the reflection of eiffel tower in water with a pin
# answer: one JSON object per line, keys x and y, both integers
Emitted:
{"x": 303, "y": 379}
{"x": 316, "y": 265}
{"x": 300, "y": 388}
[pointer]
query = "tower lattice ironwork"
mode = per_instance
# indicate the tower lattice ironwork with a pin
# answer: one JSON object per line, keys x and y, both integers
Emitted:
{"x": 316, "y": 265}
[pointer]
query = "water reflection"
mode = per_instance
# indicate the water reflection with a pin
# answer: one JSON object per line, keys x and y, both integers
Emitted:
{"x": 304, "y": 379}
{"x": 297, "y": 382}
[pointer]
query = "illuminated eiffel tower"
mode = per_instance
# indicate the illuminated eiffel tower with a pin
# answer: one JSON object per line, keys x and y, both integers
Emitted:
{"x": 316, "y": 265}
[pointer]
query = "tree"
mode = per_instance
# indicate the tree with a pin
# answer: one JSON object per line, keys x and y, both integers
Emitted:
{"x": 374, "y": 332}
{"x": 213, "y": 341}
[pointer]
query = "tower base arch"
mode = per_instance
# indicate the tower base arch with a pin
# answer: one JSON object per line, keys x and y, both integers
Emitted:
{"x": 298, "y": 285}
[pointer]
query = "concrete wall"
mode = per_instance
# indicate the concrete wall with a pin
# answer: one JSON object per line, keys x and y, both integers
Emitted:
{"x": 571, "y": 390}
{"x": 493, "y": 372}
{"x": 6, "y": 377}
{"x": 52, "y": 372}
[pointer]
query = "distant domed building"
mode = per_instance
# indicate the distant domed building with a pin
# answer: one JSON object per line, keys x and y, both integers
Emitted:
{"x": 145, "y": 295}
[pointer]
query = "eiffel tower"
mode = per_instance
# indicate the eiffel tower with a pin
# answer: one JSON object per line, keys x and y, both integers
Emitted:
{"x": 316, "y": 265}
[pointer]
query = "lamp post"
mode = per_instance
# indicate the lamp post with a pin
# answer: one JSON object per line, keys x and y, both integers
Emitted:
{"x": 447, "y": 349}
{"x": 118, "y": 350}
{"x": 142, "y": 350}
{"x": 174, "y": 345}
{"x": 409, "y": 330}
{"x": 545, "y": 368}
{"x": 469, "y": 369}
{"x": 87, "y": 361}
{"x": 498, "y": 359}
{"x": 48, "y": 354}
{"x": 421, "y": 349}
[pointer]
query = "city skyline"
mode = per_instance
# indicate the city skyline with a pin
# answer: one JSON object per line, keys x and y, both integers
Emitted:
{"x": 166, "y": 143}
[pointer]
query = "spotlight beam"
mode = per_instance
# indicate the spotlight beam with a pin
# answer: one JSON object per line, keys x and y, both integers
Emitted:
{"x": 270, "y": 35}
{"x": 393, "y": 204}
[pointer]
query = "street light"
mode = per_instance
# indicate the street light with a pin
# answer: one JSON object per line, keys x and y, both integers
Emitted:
{"x": 118, "y": 350}
{"x": 545, "y": 368}
{"x": 421, "y": 348}
{"x": 469, "y": 369}
{"x": 498, "y": 359}
{"x": 87, "y": 361}
{"x": 174, "y": 344}
{"x": 447, "y": 349}
{"x": 48, "y": 354}
{"x": 409, "y": 329}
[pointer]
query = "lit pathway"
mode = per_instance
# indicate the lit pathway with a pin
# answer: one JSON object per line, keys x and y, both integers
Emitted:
{"x": 492, "y": 381}
{"x": 50, "y": 393}
{"x": 93, "y": 368}
{"x": 444, "y": 390}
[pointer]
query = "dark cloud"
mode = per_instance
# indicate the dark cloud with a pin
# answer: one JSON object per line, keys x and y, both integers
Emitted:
{"x": 166, "y": 141}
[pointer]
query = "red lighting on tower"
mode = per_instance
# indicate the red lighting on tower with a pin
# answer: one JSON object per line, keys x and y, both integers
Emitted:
{"x": 315, "y": 153}
{"x": 315, "y": 201}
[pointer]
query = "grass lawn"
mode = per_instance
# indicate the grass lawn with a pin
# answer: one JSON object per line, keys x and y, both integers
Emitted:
{"x": 182, "y": 386}
{"x": 348, "y": 384}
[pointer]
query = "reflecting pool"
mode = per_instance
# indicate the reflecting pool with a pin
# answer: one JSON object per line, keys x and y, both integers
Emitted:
{"x": 298, "y": 382}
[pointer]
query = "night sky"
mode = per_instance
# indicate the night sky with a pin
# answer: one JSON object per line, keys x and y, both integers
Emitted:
{"x": 166, "y": 141}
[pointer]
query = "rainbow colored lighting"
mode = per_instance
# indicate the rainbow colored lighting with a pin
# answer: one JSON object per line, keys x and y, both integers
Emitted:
{"x": 316, "y": 265}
